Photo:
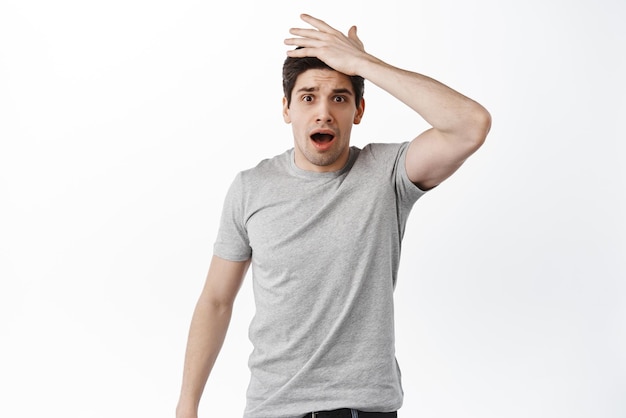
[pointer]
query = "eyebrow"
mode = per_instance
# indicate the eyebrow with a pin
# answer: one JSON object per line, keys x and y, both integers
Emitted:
{"x": 335, "y": 91}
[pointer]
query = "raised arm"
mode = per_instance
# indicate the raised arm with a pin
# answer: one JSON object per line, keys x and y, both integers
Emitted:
{"x": 208, "y": 329}
{"x": 459, "y": 124}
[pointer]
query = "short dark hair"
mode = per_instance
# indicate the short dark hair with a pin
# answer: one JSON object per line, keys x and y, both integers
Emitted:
{"x": 293, "y": 67}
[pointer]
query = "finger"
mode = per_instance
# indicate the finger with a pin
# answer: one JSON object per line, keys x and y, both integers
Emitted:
{"x": 302, "y": 52}
{"x": 304, "y": 36}
{"x": 307, "y": 33}
{"x": 303, "y": 42}
{"x": 317, "y": 23}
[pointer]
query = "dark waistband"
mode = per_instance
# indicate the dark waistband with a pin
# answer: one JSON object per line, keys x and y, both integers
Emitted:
{"x": 347, "y": 413}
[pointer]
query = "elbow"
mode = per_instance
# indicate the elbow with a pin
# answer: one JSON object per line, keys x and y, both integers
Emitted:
{"x": 479, "y": 127}
{"x": 215, "y": 304}
{"x": 485, "y": 122}
{"x": 220, "y": 306}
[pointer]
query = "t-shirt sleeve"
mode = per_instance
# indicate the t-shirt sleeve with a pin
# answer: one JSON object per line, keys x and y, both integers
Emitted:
{"x": 406, "y": 191}
{"x": 232, "y": 241}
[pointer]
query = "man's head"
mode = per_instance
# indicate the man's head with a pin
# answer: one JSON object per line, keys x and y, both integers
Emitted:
{"x": 321, "y": 104}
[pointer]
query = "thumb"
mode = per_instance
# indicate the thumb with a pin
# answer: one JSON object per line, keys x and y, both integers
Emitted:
{"x": 353, "y": 36}
{"x": 352, "y": 33}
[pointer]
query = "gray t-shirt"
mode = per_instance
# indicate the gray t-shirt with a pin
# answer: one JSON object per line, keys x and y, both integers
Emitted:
{"x": 325, "y": 251}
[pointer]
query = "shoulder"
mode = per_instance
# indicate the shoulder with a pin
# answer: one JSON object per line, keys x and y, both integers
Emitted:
{"x": 261, "y": 179}
{"x": 272, "y": 166}
{"x": 383, "y": 152}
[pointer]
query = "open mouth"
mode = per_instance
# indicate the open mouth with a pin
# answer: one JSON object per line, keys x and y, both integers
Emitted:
{"x": 322, "y": 138}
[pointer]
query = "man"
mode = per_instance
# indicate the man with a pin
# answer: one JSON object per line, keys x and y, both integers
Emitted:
{"x": 322, "y": 226}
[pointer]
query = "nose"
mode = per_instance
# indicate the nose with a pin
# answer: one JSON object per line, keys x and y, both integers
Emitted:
{"x": 323, "y": 113}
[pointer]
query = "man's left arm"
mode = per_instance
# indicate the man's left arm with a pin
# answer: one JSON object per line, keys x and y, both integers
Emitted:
{"x": 459, "y": 124}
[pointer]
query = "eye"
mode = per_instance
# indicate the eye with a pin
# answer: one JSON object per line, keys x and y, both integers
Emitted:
{"x": 307, "y": 98}
{"x": 339, "y": 99}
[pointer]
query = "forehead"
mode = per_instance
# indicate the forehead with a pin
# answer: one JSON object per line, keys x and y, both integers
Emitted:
{"x": 320, "y": 79}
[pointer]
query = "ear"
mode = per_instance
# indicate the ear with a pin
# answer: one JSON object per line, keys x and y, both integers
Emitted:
{"x": 359, "y": 112}
{"x": 286, "y": 116}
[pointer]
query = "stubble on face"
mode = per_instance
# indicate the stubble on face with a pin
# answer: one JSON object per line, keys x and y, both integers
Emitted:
{"x": 324, "y": 159}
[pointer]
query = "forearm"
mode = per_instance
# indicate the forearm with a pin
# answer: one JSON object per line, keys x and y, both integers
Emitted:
{"x": 445, "y": 109}
{"x": 206, "y": 336}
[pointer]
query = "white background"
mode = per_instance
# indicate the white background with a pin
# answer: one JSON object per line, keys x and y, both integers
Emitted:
{"x": 122, "y": 124}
